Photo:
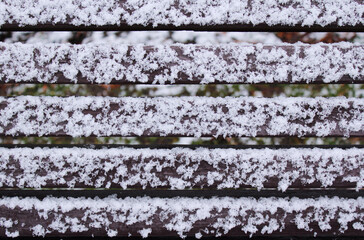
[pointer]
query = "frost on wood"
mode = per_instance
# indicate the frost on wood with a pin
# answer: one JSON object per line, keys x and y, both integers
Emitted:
{"x": 159, "y": 64}
{"x": 181, "y": 168}
{"x": 184, "y": 116}
{"x": 146, "y": 216}
{"x": 182, "y": 12}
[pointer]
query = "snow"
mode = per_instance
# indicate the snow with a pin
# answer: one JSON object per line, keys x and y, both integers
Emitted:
{"x": 144, "y": 215}
{"x": 160, "y": 64}
{"x": 74, "y": 116}
{"x": 145, "y": 232}
{"x": 182, "y": 12}
{"x": 197, "y": 168}
{"x": 183, "y": 116}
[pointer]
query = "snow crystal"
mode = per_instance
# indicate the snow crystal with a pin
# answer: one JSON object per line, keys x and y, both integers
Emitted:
{"x": 201, "y": 167}
{"x": 145, "y": 232}
{"x": 12, "y": 234}
{"x": 198, "y": 235}
{"x": 235, "y": 63}
{"x": 177, "y": 13}
{"x": 39, "y": 230}
{"x": 184, "y": 116}
{"x": 111, "y": 233}
{"x": 142, "y": 215}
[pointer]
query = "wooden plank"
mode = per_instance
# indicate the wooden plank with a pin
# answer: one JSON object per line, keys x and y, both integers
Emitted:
{"x": 184, "y": 116}
{"x": 181, "y": 64}
{"x": 170, "y": 146}
{"x": 181, "y": 168}
{"x": 205, "y": 238}
{"x": 237, "y": 15}
{"x": 7, "y": 27}
{"x": 190, "y": 193}
{"x": 156, "y": 217}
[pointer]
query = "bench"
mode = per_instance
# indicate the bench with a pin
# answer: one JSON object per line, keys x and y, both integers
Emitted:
{"x": 102, "y": 191}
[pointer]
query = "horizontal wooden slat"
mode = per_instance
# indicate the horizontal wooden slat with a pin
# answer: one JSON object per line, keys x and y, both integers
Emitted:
{"x": 189, "y": 193}
{"x": 170, "y": 146}
{"x": 184, "y": 116}
{"x": 238, "y": 15}
{"x": 181, "y": 217}
{"x": 187, "y": 27}
{"x": 181, "y": 168}
{"x": 120, "y": 64}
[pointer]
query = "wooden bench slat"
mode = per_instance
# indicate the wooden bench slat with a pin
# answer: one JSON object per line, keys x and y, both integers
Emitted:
{"x": 181, "y": 168}
{"x": 240, "y": 15}
{"x": 181, "y": 64}
{"x": 187, "y": 146}
{"x": 187, "y": 27}
{"x": 181, "y": 217}
{"x": 189, "y": 193}
{"x": 184, "y": 116}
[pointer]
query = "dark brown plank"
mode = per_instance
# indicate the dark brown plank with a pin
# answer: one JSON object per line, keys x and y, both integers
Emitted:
{"x": 181, "y": 168}
{"x": 181, "y": 64}
{"x": 188, "y": 27}
{"x": 170, "y": 146}
{"x": 190, "y": 193}
{"x": 181, "y": 217}
{"x": 238, "y": 15}
{"x": 184, "y": 116}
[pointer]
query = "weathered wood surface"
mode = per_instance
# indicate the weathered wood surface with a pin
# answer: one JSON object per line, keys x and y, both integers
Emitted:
{"x": 236, "y": 15}
{"x": 181, "y": 168}
{"x": 183, "y": 116}
{"x": 181, "y": 217}
{"x": 189, "y": 27}
{"x": 189, "y": 193}
{"x": 181, "y": 64}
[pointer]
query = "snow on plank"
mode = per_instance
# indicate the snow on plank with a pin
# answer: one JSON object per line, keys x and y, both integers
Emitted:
{"x": 195, "y": 217}
{"x": 236, "y": 63}
{"x": 225, "y": 15}
{"x": 181, "y": 168}
{"x": 181, "y": 116}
